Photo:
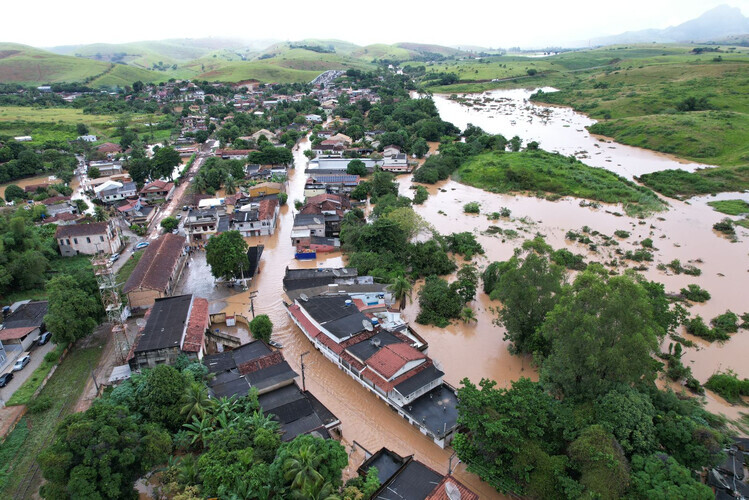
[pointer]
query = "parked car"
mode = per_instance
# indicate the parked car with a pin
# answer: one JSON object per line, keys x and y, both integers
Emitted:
{"x": 21, "y": 362}
{"x": 5, "y": 378}
{"x": 44, "y": 338}
{"x": 142, "y": 244}
{"x": 184, "y": 208}
{"x": 114, "y": 258}
{"x": 179, "y": 216}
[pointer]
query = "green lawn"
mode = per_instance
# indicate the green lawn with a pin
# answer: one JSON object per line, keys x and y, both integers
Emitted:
{"x": 63, "y": 390}
{"x": 549, "y": 173}
{"x": 731, "y": 207}
{"x": 127, "y": 268}
{"x": 24, "y": 393}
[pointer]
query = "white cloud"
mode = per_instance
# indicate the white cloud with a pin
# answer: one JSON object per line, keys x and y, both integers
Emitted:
{"x": 472, "y": 22}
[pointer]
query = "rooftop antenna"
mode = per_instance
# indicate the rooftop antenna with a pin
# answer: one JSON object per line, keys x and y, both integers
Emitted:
{"x": 367, "y": 325}
{"x": 303, "y": 297}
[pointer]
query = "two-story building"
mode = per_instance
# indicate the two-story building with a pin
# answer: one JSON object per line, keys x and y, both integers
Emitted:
{"x": 157, "y": 190}
{"x": 364, "y": 337}
{"x": 256, "y": 219}
{"x": 114, "y": 191}
{"x": 89, "y": 239}
{"x": 201, "y": 224}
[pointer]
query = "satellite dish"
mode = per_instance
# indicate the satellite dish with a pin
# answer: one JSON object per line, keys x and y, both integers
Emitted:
{"x": 367, "y": 325}
{"x": 317, "y": 221}
{"x": 303, "y": 297}
{"x": 453, "y": 493}
{"x": 141, "y": 322}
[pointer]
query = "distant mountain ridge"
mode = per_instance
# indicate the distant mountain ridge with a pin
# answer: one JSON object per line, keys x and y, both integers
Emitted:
{"x": 720, "y": 22}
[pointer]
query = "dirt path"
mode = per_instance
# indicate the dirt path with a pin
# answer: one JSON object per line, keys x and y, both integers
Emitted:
{"x": 102, "y": 370}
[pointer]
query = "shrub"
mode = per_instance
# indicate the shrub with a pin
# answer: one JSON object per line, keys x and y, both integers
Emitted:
{"x": 421, "y": 195}
{"x": 621, "y": 233}
{"x": 40, "y": 404}
{"x": 472, "y": 207}
{"x": 728, "y": 385}
{"x": 727, "y": 322}
{"x": 725, "y": 226}
{"x": 282, "y": 197}
{"x": 695, "y": 293}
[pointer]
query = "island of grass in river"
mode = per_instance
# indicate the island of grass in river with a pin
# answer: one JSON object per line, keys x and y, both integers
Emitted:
{"x": 552, "y": 173}
{"x": 730, "y": 207}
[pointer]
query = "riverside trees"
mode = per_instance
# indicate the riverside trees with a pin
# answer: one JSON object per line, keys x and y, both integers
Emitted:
{"x": 595, "y": 425}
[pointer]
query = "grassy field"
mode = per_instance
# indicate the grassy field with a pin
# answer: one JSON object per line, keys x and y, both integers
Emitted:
{"x": 640, "y": 95}
{"x": 548, "y": 173}
{"x": 20, "y": 449}
{"x": 730, "y": 207}
{"x": 51, "y": 124}
{"x": 24, "y": 64}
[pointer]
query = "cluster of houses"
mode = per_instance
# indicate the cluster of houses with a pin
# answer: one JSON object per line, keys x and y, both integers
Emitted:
{"x": 351, "y": 321}
{"x": 22, "y": 323}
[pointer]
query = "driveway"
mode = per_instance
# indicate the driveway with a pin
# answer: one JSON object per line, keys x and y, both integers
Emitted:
{"x": 37, "y": 356}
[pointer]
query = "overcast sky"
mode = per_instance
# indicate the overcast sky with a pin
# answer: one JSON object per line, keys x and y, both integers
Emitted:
{"x": 488, "y": 23}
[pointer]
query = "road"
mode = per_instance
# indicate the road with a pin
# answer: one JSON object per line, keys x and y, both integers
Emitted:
{"x": 37, "y": 356}
{"x": 168, "y": 209}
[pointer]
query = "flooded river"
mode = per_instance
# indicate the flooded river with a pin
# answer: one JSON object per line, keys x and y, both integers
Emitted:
{"x": 559, "y": 129}
{"x": 477, "y": 350}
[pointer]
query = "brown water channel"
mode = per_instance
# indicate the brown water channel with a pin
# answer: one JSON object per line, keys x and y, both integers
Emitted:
{"x": 477, "y": 350}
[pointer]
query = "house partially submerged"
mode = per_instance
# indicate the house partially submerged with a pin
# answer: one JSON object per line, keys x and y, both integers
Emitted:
{"x": 157, "y": 272}
{"x": 157, "y": 190}
{"x": 353, "y": 326}
{"x": 403, "y": 477}
{"x": 255, "y": 365}
{"x": 174, "y": 326}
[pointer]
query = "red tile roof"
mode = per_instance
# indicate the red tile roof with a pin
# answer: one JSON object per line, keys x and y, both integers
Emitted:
{"x": 196, "y": 326}
{"x": 261, "y": 363}
{"x": 16, "y": 333}
{"x": 440, "y": 492}
{"x": 267, "y": 208}
{"x": 157, "y": 264}
{"x": 54, "y": 200}
{"x": 391, "y": 358}
{"x": 110, "y": 147}
{"x": 157, "y": 185}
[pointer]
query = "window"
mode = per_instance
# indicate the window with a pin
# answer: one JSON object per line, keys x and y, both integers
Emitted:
{"x": 101, "y": 238}
{"x": 88, "y": 240}
{"x": 75, "y": 240}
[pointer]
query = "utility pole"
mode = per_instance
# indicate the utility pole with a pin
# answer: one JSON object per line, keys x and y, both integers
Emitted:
{"x": 252, "y": 303}
{"x": 301, "y": 358}
{"x": 450, "y": 463}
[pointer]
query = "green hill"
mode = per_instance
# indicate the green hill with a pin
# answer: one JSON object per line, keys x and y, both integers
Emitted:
{"x": 27, "y": 65}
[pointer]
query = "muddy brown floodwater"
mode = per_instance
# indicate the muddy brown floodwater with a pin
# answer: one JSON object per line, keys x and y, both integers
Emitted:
{"x": 478, "y": 350}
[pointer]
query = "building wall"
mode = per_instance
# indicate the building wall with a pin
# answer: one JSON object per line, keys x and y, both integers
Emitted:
{"x": 25, "y": 342}
{"x": 143, "y": 298}
{"x": 89, "y": 245}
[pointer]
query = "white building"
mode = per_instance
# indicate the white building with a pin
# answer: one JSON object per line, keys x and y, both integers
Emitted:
{"x": 89, "y": 239}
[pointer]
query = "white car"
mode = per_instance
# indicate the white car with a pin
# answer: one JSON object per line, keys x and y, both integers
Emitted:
{"x": 21, "y": 362}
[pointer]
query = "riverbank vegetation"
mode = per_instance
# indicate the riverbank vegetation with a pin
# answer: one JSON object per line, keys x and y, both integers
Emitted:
{"x": 730, "y": 207}
{"x": 553, "y": 174}
{"x": 668, "y": 98}
{"x": 595, "y": 425}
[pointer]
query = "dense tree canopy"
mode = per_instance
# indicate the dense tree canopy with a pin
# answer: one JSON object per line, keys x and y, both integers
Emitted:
{"x": 602, "y": 333}
{"x": 226, "y": 253}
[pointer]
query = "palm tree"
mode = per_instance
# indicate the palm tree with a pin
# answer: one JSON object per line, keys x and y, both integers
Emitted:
{"x": 321, "y": 491}
{"x": 301, "y": 469}
{"x": 100, "y": 215}
{"x": 230, "y": 186}
{"x": 467, "y": 315}
{"x": 401, "y": 288}
{"x": 259, "y": 421}
{"x": 197, "y": 402}
{"x": 188, "y": 470}
{"x": 199, "y": 430}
